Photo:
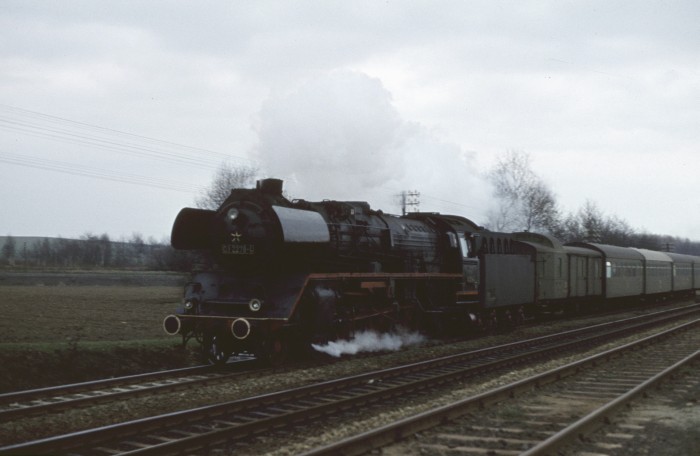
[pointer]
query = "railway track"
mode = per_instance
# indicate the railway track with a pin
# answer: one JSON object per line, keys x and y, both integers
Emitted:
{"x": 661, "y": 422}
{"x": 546, "y": 413}
{"x": 22, "y": 404}
{"x": 235, "y": 421}
{"x": 42, "y": 401}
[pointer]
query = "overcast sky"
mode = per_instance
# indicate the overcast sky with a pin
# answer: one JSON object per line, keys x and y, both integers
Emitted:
{"x": 115, "y": 114}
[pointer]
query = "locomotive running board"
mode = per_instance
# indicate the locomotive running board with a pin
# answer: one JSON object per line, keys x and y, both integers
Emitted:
{"x": 372, "y": 279}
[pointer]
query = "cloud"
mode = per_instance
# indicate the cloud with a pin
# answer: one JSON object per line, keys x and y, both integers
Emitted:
{"x": 362, "y": 100}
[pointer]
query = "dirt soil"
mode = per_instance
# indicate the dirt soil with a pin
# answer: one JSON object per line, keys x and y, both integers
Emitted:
{"x": 56, "y": 334}
{"x": 56, "y": 314}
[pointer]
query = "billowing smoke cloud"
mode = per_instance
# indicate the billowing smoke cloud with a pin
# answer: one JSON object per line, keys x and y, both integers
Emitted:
{"x": 370, "y": 341}
{"x": 341, "y": 137}
{"x": 337, "y": 129}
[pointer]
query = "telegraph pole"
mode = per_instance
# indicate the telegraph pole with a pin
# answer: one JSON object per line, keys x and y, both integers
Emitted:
{"x": 409, "y": 201}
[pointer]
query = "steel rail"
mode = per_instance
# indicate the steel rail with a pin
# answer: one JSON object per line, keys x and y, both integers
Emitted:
{"x": 63, "y": 397}
{"x": 401, "y": 429}
{"x": 372, "y": 387}
{"x": 24, "y": 395}
{"x": 600, "y": 416}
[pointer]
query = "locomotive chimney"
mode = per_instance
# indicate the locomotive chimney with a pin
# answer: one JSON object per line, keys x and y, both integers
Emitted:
{"x": 270, "y": 186}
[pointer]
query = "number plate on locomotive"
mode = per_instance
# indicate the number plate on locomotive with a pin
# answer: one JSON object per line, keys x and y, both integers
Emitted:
{"x": 238, "y": 249}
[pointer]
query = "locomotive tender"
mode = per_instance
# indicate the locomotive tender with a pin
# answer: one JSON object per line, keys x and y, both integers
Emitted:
{"x": 285, "y": 274}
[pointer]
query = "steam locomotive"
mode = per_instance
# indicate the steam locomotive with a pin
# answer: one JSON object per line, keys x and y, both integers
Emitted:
{"x": 284, "y": 274}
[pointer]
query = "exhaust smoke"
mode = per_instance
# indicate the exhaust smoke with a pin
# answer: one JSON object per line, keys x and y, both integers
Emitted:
{"x": 370, "y": 341}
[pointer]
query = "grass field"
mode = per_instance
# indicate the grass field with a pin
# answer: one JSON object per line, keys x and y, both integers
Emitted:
{"x": 60, "y": 334}
{"x": 57, "y": 314}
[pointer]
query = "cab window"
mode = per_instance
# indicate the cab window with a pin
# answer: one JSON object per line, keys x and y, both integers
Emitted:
{"x": 464, "y": 245}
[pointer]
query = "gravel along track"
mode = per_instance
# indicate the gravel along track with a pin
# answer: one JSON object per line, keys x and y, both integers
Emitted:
{"x": 549, "y": 413}
{"x": 214, "y": 425}
{"x": 21, "y": 404}
{"x": 664, "y": 422}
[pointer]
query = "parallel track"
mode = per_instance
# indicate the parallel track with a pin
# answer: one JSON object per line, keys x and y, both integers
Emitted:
{"x": 22, "y": 404}
{"x": 40, "y": 401}
{"x": 194, "y": 430}
{"x": 542, "y": 414}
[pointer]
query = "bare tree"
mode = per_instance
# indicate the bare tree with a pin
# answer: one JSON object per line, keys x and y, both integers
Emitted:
{"x": 589, "y": 224}
{"x": 539, "y": 208}
{"x": 9, "y": 249}
{"x": 227, "y": 178}
{"x": 525, "y": 201}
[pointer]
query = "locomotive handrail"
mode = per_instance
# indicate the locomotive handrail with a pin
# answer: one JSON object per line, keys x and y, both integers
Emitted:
{"x": 226, "y": 317}
{"x": 388, "y": 275}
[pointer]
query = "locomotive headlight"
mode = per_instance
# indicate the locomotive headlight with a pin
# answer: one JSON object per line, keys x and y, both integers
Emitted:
{"x": 255, "y": 304}
{"x": 188, "y": 305}
{"x": 232, "y": 214}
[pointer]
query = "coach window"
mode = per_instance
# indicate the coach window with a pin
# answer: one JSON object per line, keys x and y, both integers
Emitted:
{"x": 561, "y": 270}
{"x": 608, "y": 269}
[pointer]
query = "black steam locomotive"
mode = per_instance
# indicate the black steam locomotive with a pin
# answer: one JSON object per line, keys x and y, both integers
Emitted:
{"x": 285, "y": 274}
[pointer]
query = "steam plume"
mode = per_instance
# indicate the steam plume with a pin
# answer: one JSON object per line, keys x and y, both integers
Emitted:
{"x": 340, "y": 136}
{"x": 370, "y": 341}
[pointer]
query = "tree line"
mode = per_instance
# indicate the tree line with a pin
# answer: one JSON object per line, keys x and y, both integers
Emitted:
{"x": 93, "y": 252}
{"x": 525, "y": 203}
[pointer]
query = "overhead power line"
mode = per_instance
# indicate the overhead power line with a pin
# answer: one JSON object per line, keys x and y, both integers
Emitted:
{"x": 69, "y": 131}
{"x": 64, "y": 130}
{"x": 95, "y": 137}
{"x": 81, "y": 170}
